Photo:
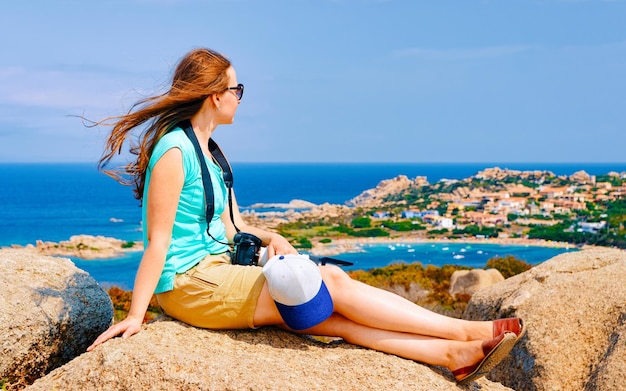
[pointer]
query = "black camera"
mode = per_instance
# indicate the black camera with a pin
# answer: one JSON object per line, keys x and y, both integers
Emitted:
{"x": 246, "y": 249}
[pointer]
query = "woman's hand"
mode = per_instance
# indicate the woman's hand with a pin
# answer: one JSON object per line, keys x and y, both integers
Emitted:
{"x": 279, "y": 246}
{"x": 127, "y": 327}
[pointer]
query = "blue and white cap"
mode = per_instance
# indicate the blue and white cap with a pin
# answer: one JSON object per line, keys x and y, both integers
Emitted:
{"x": 295, "y": 283}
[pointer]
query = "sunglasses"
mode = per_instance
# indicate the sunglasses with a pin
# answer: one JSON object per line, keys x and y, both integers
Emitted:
{"x": 238, "y": 90}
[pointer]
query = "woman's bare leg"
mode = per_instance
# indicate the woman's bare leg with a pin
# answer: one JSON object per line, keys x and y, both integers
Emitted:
{"x": 425, "y": 349}
{"x": 428, "y": 350}
{"x": 381, "y": 309}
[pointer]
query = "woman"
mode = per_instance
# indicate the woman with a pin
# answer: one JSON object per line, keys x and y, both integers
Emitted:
{"x": 188, "y": 267}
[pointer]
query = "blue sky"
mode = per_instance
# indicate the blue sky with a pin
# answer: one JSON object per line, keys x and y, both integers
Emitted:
{"x": 329, "y": 80}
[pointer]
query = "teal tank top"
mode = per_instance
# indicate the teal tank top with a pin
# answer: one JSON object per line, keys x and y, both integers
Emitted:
{"x": 190, "y": 242}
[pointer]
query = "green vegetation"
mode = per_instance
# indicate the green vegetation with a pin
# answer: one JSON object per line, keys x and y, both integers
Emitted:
{"x": 613, "y": 180}
{"x": 475, "y": 230}
{"x": 369, "y": 233}
{"x": 508, "y": 266}
{"x": 128, "y": 244}
{"x": 435, "y": 280}
{"x": 121, "y": 304}
{"x": 362, "y": 222}
{"x": 613, "y": 235}
{"x": 302, "y": 243}
{"x": 363, "y": 233}
{"x": 401, "y": 277}
{"x": 402, "y": 225}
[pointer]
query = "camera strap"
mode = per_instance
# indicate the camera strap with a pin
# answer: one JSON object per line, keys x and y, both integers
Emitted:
{"x": 227, "y": 174}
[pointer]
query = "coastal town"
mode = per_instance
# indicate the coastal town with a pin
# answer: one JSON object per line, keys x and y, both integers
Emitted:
{"x": 495, "y": 203}
{"x": 515, "y": 200}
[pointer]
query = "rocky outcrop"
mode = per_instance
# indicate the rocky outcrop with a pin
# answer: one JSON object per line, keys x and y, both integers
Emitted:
{"x": 374, "y": 197}
{"x": 85, "y": 247}
{"x": 169, "y": 355}
{"x": 582, "y": 177}
{"x": 497, "y": 173}
{"x": 326, "y": 210}
{"x": 575, "y": 309}
{"x": 51, "y": 312}
{"x": 471, "y": 281}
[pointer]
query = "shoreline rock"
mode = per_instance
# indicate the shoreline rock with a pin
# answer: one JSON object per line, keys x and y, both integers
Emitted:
{"x": 84, "y": 247}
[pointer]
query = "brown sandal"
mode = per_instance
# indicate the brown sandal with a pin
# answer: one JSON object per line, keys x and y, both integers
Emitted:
{"x": 495, "y": 350}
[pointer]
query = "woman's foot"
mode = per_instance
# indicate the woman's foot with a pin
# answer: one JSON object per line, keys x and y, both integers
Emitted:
{"x": 494, "y": 351}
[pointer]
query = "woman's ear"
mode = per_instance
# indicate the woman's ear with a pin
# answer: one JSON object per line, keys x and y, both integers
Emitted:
{"x": 216, "y": 101}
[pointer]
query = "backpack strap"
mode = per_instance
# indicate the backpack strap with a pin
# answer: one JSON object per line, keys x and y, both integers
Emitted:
{"x": 227, "y": 174}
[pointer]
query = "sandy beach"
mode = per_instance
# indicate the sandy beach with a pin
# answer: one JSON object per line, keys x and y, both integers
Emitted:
{"x": 344, "y": 245}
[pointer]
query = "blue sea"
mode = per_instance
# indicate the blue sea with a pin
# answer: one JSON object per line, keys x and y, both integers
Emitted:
{"x": 52, "y": 202}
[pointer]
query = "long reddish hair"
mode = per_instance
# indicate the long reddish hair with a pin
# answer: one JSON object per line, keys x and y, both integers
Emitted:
{"x": 198, "y": 75}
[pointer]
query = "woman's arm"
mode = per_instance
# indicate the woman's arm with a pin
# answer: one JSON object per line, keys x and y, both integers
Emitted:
{"x": 164, "y": 190}
{"x": 276, "y": 244}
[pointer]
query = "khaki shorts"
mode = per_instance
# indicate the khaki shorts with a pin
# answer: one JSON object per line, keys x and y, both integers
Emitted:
{"x": 215, "y": 294}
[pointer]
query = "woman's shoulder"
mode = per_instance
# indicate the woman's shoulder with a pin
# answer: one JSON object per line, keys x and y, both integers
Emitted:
{"x": 175, "y": 138}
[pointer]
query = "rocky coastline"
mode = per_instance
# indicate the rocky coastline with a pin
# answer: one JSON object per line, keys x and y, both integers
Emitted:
{"x": 276, "y": 214}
